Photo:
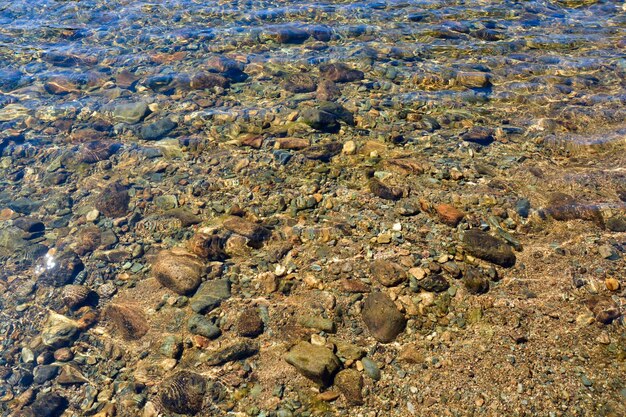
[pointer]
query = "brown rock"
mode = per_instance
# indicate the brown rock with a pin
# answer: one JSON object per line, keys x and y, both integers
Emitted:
{"x": 233, "y": 352}
{"x": 269, "y": 282}
{"x": 327, "y": 90}
{"x": 405, "y": 166}
{"x": 350, "y": 383}
{"x": 411, "y": 354}
{"x": 71, "y": 375}
{"x": 183, "y": 393}
{"x": 604, "y": 309}
{"x": 328, "y": 396}
{"x": 382, "y": 317}
{"x": 340, "y": 73}
{"x": 480, "y": 135}
{"x": 564, "y": 207}
{"x": 474, "y": 79}
{"x": 96, "y": 150}
{"x": 299, "y": 83}
{"x": 128, "y": 320}
{"x": 60, "y": 86}
{"x": 178, "y": 270}
{"x": 88, "y": 317}
{"x": 292, "y": 143}
{"x": 383, "y": 191}
{"x": 288, "y": 34}
{"x": 449, "y": 215}
{"x": 323, "y": 152}
{"x": 486, "y": 247}
{"x": 223, "y": 64}
{"x": 205, "y": 80}
{"x": 249, "y": 323}
{"x": 387, "y": 273}
{"x": 354, "y": 286}
{"x": 75, "y": 295}
{"x": 611, "y": 284}
{"x": 251, "y": 140}
{"x": 87, "y": 240}
{"x": 209, "y": 246}
{"x": 63, "y": 355}
{"x": 113, "y": 200}
{"x": 255, "y": 232}
{"x": 475, "y": 281}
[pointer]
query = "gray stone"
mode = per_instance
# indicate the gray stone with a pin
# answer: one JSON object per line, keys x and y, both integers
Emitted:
{"x": 11, "y": 241}
{"x": 210, "y": 295}
{"x": 157, "y": 130}
{"x": 172, "y": 346}
{"x": 198, "y": 324}
{"x": 236, "y": 351}
{"x": 166, "y": 202}
{"x": 320, "y": 120}
{"x": 130, "y": 113}
{"x": 371, "y": 368}
{"x": 317, "y": 322}
{"x": 43, "y": 373}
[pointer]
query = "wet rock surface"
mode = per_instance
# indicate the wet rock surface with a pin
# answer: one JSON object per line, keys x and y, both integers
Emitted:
{"x": 403, "y": 198}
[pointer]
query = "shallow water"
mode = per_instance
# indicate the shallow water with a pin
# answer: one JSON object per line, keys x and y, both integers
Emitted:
{"x": 539, "y": 53}
{"x": 128, "y": 128}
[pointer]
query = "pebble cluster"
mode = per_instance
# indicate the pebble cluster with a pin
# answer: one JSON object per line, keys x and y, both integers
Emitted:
{"x": 281, "y": 209}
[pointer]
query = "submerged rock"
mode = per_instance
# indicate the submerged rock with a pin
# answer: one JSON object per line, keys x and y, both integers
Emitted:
{"x": 564, "y": 207}
{"x": 382, "y": 318}
{"x": 233, "y": 352}
{"x": 158, "y": 129}
{"x": 317, "y": 363}
{"x": 434, "y": 283}
{"x": 183, "y": 392}
{"x": 128, "y": 320}
{"x": 320, "y": 120}
{"x": 178, "y": 270}
{"x": 130, "y": 113}
{"x": 350, "y": 383}
{"x": 340, "y": 73}
{"x": 383, "y": 191}
{"x": 198, "y": 324}
{"x": 62, "y": 270}
{"x": 484, "y": 246}
{"x": 249, "y": 323}
{"x": 388, "y": 273}
{"x": 113, "y": 200}
{"x": 210, "y": 295}
{"x": 255, "y": 232}
{"x": 49, "y": 404}
{"x": 59, "y": 331}
{"x": 475, "y": 281}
